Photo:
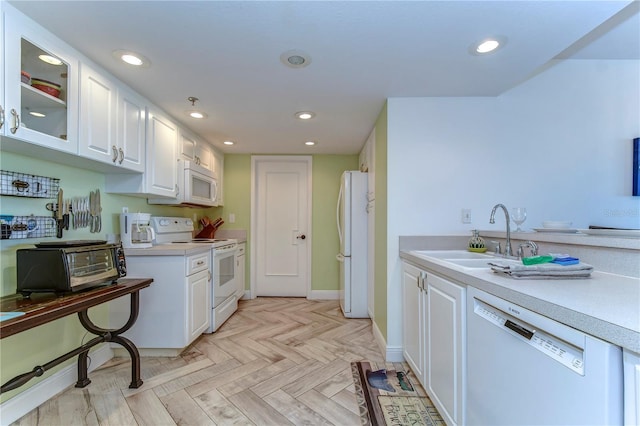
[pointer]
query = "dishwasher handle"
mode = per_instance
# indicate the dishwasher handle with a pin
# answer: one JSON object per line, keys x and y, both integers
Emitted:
{"x": 527, "y": 334}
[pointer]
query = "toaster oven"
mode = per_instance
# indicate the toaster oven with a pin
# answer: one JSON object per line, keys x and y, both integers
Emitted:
{"x": 68, "y": 266}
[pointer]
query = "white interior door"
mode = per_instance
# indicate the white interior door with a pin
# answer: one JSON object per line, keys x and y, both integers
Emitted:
{"x": 281, "y": 219}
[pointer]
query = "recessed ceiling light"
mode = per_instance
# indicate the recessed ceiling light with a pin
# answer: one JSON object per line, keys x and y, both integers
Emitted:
{"x": 50, "y": 59}
{"x": 488, "y": 45}
{"x": 295, "y": 59}
{"x": 37, "y": 114}
{"x": 310, "y": 143}
{"x": 228, "y": 142}
{"x": 131, "y": 58}
{"x": 197, "y": 114}
{"x": 194, "y": 113}
{"x": 305, "y": 115}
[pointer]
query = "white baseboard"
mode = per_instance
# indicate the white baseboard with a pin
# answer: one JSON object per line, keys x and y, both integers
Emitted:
{"x": 394, "y": 354}
{"x": 24, "y": 402}
{"x": 324, "y": 295}
{"x": 391, "y": 353}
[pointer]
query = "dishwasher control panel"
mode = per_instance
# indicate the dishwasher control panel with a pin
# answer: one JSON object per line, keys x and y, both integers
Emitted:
{"x": 563, "y": 352}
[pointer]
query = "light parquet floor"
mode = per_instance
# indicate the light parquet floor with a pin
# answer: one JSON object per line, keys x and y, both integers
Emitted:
{"x": 276, "y": 361}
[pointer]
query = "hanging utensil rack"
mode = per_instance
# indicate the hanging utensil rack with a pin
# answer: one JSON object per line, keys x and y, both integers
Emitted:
{"x": 19, "y": 227}
{"x": 26, "y": 185}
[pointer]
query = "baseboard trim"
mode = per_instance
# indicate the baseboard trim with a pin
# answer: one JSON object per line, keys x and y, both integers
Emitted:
{"x": 391, "y": 353}
{"x": 16, "y": 407}
{"x": 324, "y": 295}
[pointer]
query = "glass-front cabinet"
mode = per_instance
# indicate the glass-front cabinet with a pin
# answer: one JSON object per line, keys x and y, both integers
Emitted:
{"x": 40, "y": 86}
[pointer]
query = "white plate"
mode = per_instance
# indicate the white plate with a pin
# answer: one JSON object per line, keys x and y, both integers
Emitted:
{"x": 613, "y": 232}
{"x": 557, "y": 230}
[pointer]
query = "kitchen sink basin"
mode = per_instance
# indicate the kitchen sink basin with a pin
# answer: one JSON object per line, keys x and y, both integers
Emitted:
{"x": 453, "y": 254}
{"x": 472, "y": 263}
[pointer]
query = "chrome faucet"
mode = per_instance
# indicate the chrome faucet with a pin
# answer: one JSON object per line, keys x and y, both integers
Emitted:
{"x": 533, "y": 246}
{"x": 507, "y": 245}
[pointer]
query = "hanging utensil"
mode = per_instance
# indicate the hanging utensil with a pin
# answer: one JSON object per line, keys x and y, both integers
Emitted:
{"x": 92, "y": 212}
{"x": 65, "y": 215}
{"x": 58, "y": 213}
{"x": 98, "y": 212}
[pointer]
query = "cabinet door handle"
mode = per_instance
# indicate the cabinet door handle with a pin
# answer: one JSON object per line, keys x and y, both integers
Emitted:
{"x": 423, "y": 278}
{"x": 114, "y": 150}
{"x": 16, "y": 121}
{"x": 177, "y": 190}
{"x": 1, "y": 116}
{"x": 121, "y": 155}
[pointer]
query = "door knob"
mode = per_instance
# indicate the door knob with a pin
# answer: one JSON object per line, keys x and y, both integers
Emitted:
{"x": 301, "y": 237}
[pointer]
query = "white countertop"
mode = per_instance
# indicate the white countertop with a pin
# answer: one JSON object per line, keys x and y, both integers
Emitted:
{"x": 606, "y": 305}
{"x": 183, "y": 249}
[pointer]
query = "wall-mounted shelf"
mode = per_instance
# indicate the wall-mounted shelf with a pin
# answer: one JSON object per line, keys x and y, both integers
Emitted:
{"x": 19, "y": 227}
{"x": 27, "y": 185}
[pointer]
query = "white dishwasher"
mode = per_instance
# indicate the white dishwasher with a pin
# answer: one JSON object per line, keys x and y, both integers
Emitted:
{"x": 526, "y": 369}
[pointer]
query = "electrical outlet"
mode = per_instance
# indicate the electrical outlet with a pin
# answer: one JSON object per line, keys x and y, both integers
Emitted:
{"x": 232, "y": 218}
{"x": 466, "y": 215}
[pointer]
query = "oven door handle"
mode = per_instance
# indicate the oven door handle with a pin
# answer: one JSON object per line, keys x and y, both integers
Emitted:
{"x": 218, "y": 252}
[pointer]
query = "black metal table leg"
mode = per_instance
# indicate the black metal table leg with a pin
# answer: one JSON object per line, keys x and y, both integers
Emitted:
{"x": 112, "y": 336}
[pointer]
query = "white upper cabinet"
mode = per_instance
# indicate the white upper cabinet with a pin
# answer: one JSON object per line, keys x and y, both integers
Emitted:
{"x": 2, "y": 111}
{"x": 131, "y": 134}
{"x": 97, "y": 116}
{"x": 162, "y": 155}
{"x": 160, "y": 177}
{"x": 218, "y": 168}
{"x": 192, "y": 148}
{"x": 112, "y": 122}
{"x": 44, "y": 114}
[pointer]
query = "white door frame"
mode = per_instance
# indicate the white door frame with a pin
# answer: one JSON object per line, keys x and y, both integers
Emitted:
{"x": 255, "y": 159}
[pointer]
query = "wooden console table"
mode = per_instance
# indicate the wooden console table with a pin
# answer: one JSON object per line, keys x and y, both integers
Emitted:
{"x": 42, "y": 308}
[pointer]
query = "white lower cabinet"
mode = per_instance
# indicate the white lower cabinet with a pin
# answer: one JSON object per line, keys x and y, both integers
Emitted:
{"x": 174, "y": 310}
{"x": 446, "y": 347}
{"x": 199, "y": 312}
{"x": 434, "y": 336}
{"x": 240, "y": 266}
{"x": 414, "y": 320}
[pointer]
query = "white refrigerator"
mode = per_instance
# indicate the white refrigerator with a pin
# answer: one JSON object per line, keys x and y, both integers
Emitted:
{"x": 352, "y": 217}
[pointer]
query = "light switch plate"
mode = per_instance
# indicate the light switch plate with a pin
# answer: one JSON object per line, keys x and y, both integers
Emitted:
{"x": 466, "y": 216}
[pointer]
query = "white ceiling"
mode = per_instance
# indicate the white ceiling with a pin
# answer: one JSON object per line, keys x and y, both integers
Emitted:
{"x": 227, "y": 53}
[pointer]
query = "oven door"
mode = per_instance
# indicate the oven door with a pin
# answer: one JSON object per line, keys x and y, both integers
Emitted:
{"x": 224, "y": 274}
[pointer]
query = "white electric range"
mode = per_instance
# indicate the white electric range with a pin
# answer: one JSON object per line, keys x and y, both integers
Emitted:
{"x": 178, "y": 231}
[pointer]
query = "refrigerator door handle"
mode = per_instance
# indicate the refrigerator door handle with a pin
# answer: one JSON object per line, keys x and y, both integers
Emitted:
{"x": 338, "y": 216}
{"x": 339, "y": 257}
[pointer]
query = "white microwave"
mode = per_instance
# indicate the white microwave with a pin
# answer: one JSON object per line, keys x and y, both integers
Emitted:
{"x": 197, "y": 186}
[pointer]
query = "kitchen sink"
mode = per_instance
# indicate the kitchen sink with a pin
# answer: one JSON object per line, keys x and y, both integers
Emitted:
{"x": 462, "y": 258}
{"x": 453, "y": 254}
{"x": 472, "y": 263}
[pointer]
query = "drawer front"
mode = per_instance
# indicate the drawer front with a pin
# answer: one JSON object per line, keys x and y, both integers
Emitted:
{"x": 198, "y": 262}
{"x": 240, "y": 251}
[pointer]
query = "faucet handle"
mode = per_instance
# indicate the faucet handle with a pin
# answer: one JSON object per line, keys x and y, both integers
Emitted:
{"x": 533, "y": 246}
{"x": 498, "y": 248}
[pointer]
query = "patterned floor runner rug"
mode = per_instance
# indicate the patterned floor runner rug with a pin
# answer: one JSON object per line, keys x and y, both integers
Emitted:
{"x": 387, "y": 397}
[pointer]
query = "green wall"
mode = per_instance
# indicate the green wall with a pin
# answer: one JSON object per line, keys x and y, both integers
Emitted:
{"x": 380, "y": 256}
{"x": 326, "y": 171}
{"x": 21, "y": 352}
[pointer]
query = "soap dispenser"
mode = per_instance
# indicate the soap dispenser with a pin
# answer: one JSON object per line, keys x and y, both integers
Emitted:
{"x": 476, "y": 242}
